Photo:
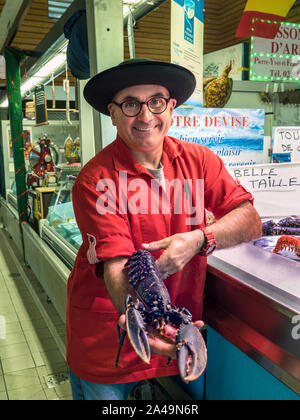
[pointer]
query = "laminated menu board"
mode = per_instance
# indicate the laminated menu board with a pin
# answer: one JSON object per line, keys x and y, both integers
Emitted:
{"x": 41, "y": 116}
{"x": 286, "y": 141}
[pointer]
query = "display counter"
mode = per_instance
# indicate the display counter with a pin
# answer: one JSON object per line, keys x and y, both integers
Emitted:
{"x": 252, "y": 304}
{"x": 253, "y": 301}
{"x": 59, "y": 230}
{"x": 9, "y": 218}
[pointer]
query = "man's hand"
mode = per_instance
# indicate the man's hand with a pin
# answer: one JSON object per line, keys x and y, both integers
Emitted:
{"x": 242, "y": 224}
{"x": 179, "y": 250}
{"x": 160, "y": 345}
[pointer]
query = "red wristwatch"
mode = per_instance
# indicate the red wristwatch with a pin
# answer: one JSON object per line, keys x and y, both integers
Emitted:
{"x": 209, "y": 244}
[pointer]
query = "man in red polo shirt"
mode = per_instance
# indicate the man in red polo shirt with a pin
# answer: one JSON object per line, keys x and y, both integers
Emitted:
{"x": 144, "y": 190}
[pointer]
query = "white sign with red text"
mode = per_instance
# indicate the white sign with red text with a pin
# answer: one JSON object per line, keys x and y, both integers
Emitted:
{"x": 277, "y": 58}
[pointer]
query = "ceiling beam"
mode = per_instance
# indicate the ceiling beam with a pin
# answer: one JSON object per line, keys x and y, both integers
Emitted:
{"x": 58, "y": 29}
{"x": 11, "y": 19}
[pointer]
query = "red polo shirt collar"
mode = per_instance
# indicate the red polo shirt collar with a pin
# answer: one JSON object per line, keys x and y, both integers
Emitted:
{"x": 124, "y": 160}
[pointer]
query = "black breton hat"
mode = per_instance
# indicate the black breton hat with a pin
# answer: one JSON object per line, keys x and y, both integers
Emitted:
{"x": 100, "y": 89}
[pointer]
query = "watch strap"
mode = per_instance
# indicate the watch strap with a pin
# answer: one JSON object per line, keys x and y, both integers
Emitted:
{"x": 209, "y": 243}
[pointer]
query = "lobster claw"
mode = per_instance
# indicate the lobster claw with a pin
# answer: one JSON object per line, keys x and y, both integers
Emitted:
{"x": 137, "y": 333}
{"x": 191, "y": 352}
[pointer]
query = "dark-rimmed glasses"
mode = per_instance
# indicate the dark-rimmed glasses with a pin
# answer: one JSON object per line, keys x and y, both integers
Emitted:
{"x": 132, "y": 107}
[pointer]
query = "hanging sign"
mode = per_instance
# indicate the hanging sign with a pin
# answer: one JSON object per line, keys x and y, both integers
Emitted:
{"x": 278, "y": 58}
{"x": 187, "y": 41}
{"x": 41, "y": 116}
{"x": 235, "y": 135}
{"x": 287, "y": 141}
{"x": 30, "y": 110}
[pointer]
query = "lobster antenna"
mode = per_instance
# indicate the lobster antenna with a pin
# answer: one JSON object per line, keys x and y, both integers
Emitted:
{"x": 121, "y": 341}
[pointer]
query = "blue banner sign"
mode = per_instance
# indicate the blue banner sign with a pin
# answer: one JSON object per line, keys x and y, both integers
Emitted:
{"x": 235, "y": 135}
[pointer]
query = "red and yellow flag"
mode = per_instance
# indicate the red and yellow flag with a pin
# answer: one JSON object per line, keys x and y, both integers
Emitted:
{"x": 259, "y": 16}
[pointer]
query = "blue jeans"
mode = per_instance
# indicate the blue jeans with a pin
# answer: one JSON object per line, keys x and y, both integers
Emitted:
{"x": 85, "y": 390}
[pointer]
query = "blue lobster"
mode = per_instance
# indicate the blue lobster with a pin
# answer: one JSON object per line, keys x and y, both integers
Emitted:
{"x": 287, "y": 226}
{"x": 153, "y": 308}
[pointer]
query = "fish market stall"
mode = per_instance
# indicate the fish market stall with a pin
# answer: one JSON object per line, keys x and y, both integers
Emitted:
{"x": 252, "y": 305}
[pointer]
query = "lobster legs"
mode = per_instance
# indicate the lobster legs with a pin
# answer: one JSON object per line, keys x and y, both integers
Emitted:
{"x": 286, "y": 226}
{"x": 191, "y": 350}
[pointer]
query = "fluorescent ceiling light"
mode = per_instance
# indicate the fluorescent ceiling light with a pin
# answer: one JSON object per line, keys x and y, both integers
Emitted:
{"x": 53, "y": 61}
{"x": 50, "y": 64}
{"x": 55, "y": 65}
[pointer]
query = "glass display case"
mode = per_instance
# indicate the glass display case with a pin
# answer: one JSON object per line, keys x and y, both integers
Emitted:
{"x": 11, "y": 196}
{"x": 64, "y": 160}
{"x": 60, "y": 229}
{"x": 61, "y": 215}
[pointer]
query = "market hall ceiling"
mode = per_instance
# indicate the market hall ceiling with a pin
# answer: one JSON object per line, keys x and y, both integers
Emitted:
{"x": 26, "y": 24}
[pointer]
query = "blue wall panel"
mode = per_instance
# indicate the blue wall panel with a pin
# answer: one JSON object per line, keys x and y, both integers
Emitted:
{"x": 232, "y": 375}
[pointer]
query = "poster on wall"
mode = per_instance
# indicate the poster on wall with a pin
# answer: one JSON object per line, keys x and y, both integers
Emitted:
{"x": 235, "y": 135}
{"x": 27, "y": 136}
{"x": 187, "y": 41}
{"x": 278, "y": 58}
{"x": 238, "y": 55}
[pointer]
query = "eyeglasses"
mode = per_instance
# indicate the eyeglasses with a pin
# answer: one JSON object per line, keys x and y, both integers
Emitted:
{"x": 132, "y": 107}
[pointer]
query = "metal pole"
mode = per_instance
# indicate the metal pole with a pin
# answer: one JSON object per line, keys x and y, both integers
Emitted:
{"x": 130, "y": 33}
{"x": 106, "y": 49}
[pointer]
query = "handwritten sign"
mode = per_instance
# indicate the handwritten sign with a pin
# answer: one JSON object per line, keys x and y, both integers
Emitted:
{"x": 275, "y": 187}
{"x": 287, "y": 140}
{"x": 278, "y": 58}
{"x": 187, "y": 23}
{"x": 235, "y": 135}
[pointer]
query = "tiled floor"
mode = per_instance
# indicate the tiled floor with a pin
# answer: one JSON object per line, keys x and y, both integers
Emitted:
{"x": 28, "y": 352}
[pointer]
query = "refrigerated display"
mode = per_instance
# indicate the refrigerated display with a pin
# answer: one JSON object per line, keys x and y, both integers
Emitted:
{"x": 60, "y": 229}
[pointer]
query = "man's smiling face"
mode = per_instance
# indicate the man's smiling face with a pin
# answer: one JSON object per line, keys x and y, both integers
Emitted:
{"x": 146, "y": 131}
